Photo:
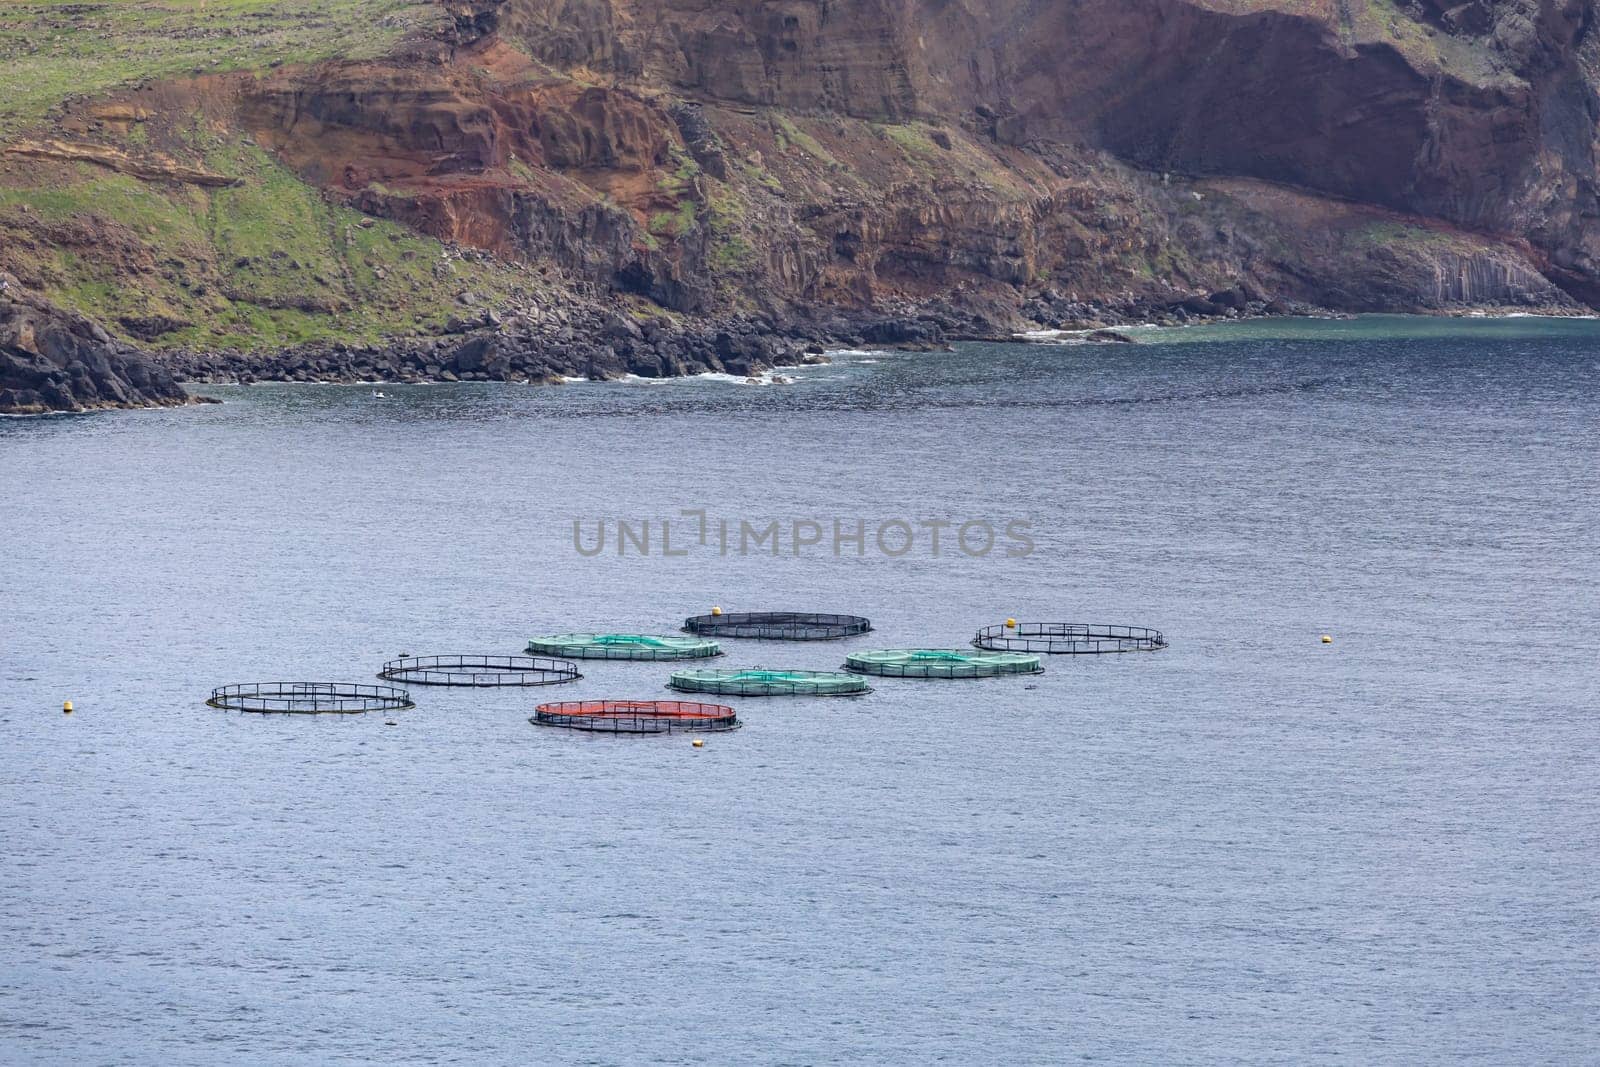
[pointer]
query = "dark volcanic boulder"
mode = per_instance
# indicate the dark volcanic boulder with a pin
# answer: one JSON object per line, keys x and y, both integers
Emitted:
{"x": 1197, "y": 305}
{"x": 1235, "y": 298}
{"x": 55, "y": 360}
{"x": 902, "y": 332}
{"x": 474, "y": 354}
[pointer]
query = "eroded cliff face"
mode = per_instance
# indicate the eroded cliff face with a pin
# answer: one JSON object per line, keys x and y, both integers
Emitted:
{"x": 914, "y": 145}
{"x": 1480, "y": 114}
{"x": 1444, "y": 109}
{"x": 990, "y": 157}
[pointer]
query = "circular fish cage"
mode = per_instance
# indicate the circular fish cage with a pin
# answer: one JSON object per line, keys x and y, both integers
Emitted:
{"x": 309, "y": 698}
{"x": 940, "y": 663}
{"x": 480, "y": 672}
{"x": 637, "y": 716}
{"x": 777, "y": 625}
{"x": 1069, "y": 638}
{"x": 624, "y": 646}
{"x": 757, "y": 682}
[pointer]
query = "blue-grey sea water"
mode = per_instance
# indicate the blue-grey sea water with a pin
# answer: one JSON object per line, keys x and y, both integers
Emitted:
{"x": 1253, "y": 847}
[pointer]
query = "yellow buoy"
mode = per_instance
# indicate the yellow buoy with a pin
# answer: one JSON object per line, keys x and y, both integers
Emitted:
{"x": 1011, "y": 624}
{"x": 697, "y": 743}
{"x": 66, "y": 707}
{"x": 1327, "y": 640}
{"x": 716, "y": 611}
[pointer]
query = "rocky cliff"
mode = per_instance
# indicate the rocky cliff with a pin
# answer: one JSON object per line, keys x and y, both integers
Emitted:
{"x": 969, "y": 164}
{"x": 54, "y": 360}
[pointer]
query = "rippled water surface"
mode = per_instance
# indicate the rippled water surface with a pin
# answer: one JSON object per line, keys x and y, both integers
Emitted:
{"x": 1251, "y": 847}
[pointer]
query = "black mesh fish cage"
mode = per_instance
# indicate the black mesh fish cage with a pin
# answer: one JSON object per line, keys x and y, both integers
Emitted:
{"x": 777, "y": 625}
{"x": 480, "y": 672}
{"x": 309, "y": 698}
{"x": 637, "y": 716}
{"x": 1069, "y": 638}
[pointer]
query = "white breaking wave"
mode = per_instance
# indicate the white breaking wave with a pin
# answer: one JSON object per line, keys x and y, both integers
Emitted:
{"x": 1052, "y": 337}
{"x": 765, "y": 378}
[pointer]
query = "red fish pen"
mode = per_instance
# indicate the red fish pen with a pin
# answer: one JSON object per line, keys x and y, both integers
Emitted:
{"x": 636, "y": 716}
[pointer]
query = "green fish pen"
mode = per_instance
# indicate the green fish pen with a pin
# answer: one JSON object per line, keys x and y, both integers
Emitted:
{"x": 624, "y": 646}
{"x": 637, "y": 716}
{"x": 1069, "y": 638}
{"x": 777, "y": 625}
{"x": 940, "y": 663}
{"x": 480, "y": 672}
{"x": 757, "y": 682}
{"x": 309, "y": 698}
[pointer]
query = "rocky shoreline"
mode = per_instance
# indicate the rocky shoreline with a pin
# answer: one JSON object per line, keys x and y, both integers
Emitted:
{"x": 582, "y": 341}
{"x": 623, "y": 187}
{"x": 53, "y": 360}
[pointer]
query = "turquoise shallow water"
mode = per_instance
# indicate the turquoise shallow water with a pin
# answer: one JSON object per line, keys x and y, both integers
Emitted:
{"x": 1252, "y": 847}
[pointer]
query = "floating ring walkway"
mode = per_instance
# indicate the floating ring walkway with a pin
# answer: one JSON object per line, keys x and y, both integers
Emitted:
{"x": 636, "y": 716}
{"x": 624, "y": 646}
{"x": 756, "y": 682}
{"x": 480, "y": 671}
{"x": 309, "y": 698}
{"x": 777, "y": 625}
{"x": 1069, "y": 638}
{"x": 940, "y": 663}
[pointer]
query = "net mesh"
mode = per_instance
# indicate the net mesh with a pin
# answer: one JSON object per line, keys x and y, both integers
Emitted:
{"x": 757, "y": 682}
{"x": 636, "y": 716}
{"x": 777, "y": 625}
{"x": 1069, "y": 638}
{"x": 940, "y": 663}
{"x": 624, "y": 646}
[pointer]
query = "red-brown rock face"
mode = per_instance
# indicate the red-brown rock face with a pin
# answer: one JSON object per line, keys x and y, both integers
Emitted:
{"x": 1480, "y": 114}
{"x": 774, "y": 154}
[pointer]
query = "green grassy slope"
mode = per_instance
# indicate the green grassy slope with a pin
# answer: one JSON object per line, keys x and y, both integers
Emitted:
{"x": 267, "y": 263}
{"x": 51, "y": 50}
